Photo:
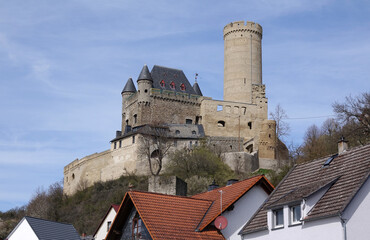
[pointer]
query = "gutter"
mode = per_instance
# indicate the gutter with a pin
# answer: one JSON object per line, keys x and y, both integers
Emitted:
{"x": 344, "y": 225}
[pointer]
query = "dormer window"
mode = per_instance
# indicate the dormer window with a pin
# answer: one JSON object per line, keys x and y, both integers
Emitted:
{"x": 182, "y": 87}
{"x": 295, "y": 214}
{"x": 278, "y": 218}
{"x": 172, "y": 85}
{"x": 163, "y": 84}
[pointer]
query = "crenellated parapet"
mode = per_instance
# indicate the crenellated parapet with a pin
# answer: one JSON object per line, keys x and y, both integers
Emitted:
{"x": 167, "y": 95}
{"x": 241, "y": 27}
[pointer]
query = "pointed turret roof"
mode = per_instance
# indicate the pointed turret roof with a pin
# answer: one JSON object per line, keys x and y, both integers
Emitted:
{"x": 145, "y": 74}
{"x": 197, "y": 89}
{"x": 129, "y": 87}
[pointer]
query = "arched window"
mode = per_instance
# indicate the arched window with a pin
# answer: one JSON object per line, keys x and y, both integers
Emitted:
{"x": 221, "y": 124}
{"x": 250, "y": 125}
{"x": 182, "y": 87}
{"x": 177, "y": 132}
{"x": 249, "y": 148}
{"x": 163, "y": 84}
{"x": 172, "y": 85}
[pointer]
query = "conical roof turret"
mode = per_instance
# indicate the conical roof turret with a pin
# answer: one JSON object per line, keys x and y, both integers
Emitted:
{"x": 145, "y": 74}
{"x": 197, "y": 89}
{"x": 129, "y": 87}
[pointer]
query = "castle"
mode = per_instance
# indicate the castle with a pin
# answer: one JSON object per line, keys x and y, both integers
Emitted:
{"x": 238, "y": 124}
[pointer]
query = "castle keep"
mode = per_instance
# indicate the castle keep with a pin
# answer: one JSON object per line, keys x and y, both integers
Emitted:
{"x": 238, "y": 124}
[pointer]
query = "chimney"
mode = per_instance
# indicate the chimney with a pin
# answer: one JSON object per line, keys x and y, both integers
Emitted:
{"x": 170, "y": 185}
{"x": 213, "y": 186}
{"x": 342, "y": 145}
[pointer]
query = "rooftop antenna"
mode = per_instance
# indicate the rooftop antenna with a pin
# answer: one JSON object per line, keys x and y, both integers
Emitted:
{"x": 221, "y": 221}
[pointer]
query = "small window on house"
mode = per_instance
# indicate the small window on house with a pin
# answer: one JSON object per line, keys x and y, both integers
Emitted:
{"x": 250, "y": 125}
{"x": 182, "y": 87}
{"x": 163, "y": 84}
{"x": 278, "y": 218}
{"x": 177, "y": 132}
{"x": 221, "y": 124}
{"x": 188, "y": 121}
{"x": 120, "y": 143}
{"x": 172, "y": 85}
{"x": 219, "y": 108}
{"x": 108, "y": 225}
{"x": 135, "y": 118}
{"x": 126, "y": 122}
{"x": 231, "y": 146}
{"x": 295, "y": 215}
{"x": 133, "y": 139}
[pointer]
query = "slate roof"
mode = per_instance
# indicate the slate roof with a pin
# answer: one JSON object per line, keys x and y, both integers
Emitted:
{"x": 49, "y": 230}
{"x": 129, "y": 87}
{"x": 169, "y": 75}
{"x": 144, "y": 74}
{"x": 344, "y": 176}
{"x": 177, "y": 217}
{"x": 197, "y": 89}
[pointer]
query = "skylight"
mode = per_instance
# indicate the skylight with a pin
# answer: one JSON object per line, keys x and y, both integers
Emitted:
{"x": 327, "y": 163}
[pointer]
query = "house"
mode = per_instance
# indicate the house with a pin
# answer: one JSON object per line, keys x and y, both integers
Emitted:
{"x": 147, "y": 215}
{"x": 106, "y": 222}
{"x": 327, "y": 198}
{"x": 31, "y": 228}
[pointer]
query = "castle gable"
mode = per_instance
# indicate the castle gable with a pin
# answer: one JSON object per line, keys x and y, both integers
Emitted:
{"x": 171, "y": 79}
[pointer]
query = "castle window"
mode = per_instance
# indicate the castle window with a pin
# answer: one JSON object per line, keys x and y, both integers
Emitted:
{"x": 177, "y": 132}
{"x": 120, "y": 143}
{"x": 250, "y": 125}
{"x": 249, "y": 148}
{"x": 133, "y": 139}
{"x": 219, "y": 108}
{"x": 182, "y": 87}
{"x": 135, "y": 118}
{"x": 188, "y": 121}
{"x": 73, "y": 176}
{"x": 172, "y": 85}
{"x": 163, "y": 84}
{"x": 146, "y": 90}
{"x": 269, "y": 135}
{"x": 115, "y": 145}
{"x": 221, "y": 124}
{"x": 198, "y": 120}
{"x": 175, "y": 143}
{"x": 193, "y": 132}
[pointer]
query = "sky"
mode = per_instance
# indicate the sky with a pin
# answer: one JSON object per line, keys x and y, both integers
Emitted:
{"x": 63, "y": 65}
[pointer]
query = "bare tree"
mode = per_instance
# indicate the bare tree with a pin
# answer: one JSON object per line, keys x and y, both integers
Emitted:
{"x": 154, "y": 146}
{"x": 282, "y": 130}
{"x": 355, "y": 114}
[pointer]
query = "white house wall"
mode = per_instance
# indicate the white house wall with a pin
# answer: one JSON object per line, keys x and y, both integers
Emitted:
{"x": 103, "y": 230}
{"x": 357, "y": 214}
{"x": 23, "y": 231}
{"x": 328, "y": 229}
{"x": 243, "y": 210}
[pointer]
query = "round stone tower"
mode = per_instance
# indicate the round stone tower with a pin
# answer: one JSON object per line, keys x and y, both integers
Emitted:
{"x": 242, "y": 61}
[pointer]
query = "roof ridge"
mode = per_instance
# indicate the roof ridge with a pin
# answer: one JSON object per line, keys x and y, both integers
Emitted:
{"x": 169, "y": 195}
{"x": 48, "y": 220}
{"x": 167, "y": 68}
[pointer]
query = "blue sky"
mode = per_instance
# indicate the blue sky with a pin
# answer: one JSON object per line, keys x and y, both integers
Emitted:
{"x": 63, "y": 65}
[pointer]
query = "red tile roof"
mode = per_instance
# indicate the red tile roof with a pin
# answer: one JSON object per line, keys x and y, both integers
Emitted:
{"x": 230, "y": 194}
{"x": 176, "y": 217}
